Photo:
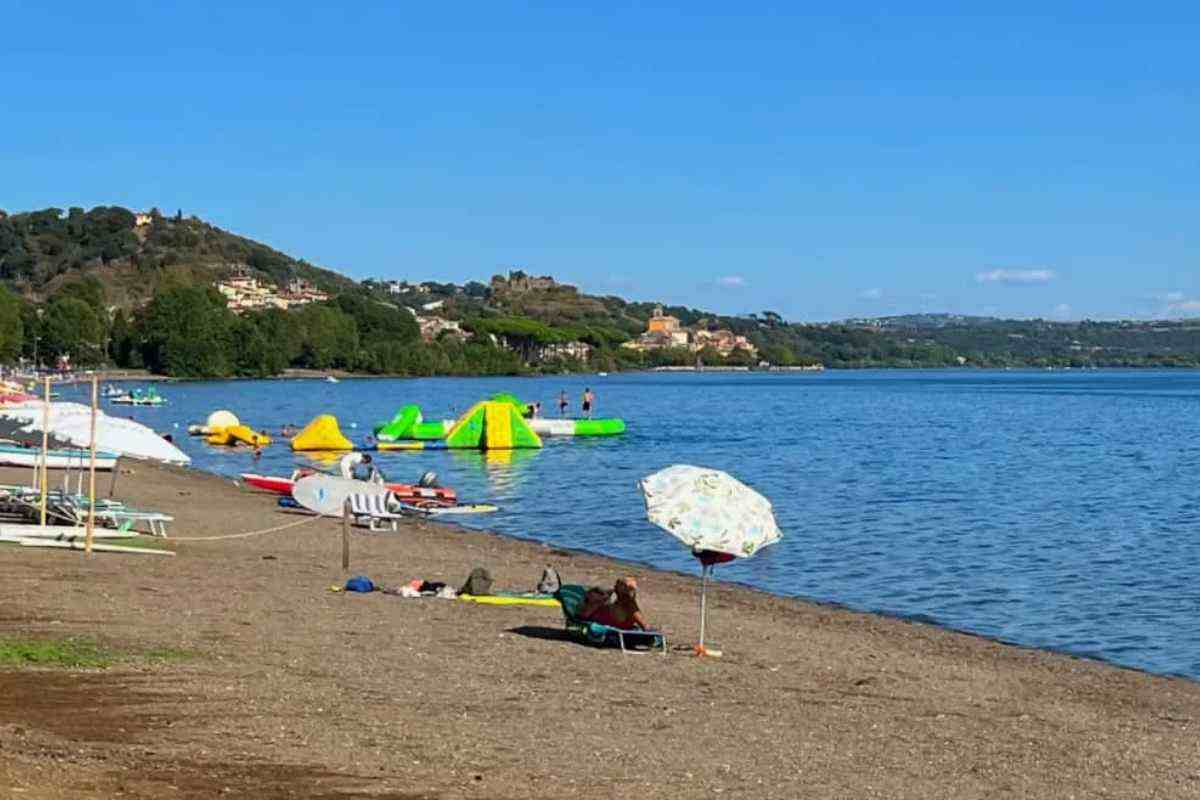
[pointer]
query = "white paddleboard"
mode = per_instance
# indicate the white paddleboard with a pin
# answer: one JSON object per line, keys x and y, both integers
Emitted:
{"x": 99, "y": 548}
{"x": 326, "y": 494}
{"x": 439, "y": 511}
{"x": 64, "y": 532}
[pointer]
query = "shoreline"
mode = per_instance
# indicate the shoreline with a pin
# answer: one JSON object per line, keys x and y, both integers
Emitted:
{"x": 298, "y": 691}
{"x": 136, "y": 376}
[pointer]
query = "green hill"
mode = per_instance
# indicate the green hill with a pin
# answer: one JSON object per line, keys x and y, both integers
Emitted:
{"x": 133, "y": 256}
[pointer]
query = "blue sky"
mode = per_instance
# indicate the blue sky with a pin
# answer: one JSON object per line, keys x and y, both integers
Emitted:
{"x": 737, "y": 157}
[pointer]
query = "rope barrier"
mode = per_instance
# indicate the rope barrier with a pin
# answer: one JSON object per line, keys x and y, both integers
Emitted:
{"x": 245, "y": 535}
{"x": 53, "y": 512}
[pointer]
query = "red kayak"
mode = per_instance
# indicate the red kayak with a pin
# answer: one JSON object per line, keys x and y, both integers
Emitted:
{"x": 404, "y": 491}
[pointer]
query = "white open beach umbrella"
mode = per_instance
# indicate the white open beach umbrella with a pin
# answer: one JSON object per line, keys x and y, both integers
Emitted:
{"x": 716, "y": 515}
{"x": 72, "y": 422}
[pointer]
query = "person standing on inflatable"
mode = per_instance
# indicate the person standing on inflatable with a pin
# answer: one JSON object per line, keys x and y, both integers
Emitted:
{"x": 589, "y": 400}
{"x": 562, "y": 403}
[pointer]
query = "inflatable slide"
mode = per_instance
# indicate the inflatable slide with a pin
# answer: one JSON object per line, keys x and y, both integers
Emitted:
{"x": 409, "y": 425}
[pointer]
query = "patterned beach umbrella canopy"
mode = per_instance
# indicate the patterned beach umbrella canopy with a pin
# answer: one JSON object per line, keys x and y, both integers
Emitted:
{"x": 707, "y": 509}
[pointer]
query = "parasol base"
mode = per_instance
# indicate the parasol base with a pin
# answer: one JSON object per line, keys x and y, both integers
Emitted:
{"x": 702, "y": 651}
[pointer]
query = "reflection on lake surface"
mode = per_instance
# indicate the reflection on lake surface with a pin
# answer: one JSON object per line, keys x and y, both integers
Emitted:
{"x": 1054, "y": 509}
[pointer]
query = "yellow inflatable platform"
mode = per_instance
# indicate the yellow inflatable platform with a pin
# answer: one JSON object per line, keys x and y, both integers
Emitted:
{"x": 238, "y": 434}
{"x": 322, "y": 433}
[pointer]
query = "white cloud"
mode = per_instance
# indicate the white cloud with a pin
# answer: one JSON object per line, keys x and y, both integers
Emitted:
{"x": 1062, "y": 311}
{"x": 1182, "y": 306}
{"x": 1173, "y": 303}
{"x": 871, "y": 294}
{"x": 1016, "y": 277}
{"x": 731, "y": 282}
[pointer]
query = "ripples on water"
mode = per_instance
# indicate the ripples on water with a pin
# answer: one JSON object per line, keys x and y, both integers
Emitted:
{"x": 1050, "y": 509}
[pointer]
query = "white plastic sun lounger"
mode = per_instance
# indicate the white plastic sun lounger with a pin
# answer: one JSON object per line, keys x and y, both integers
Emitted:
{"x": 71, "y": 512}
{"x": 155, "y": 521}
{"x": 372, "y": 510}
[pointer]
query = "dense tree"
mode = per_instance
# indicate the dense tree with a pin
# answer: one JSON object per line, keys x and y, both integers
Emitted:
{"x": 12, "y": 326}
{"x": 187, "y": 332}
{"x": 123, "y": 347}
{"x": 378, "y": 321}
{"x": 329, "y": 337}
{"x": 777, "y": 355}
{"x": 72, "y": 328}
{"x": 281, "y": 332}
{"x": 88, "y": 288}
{"x": 253, "y": 354}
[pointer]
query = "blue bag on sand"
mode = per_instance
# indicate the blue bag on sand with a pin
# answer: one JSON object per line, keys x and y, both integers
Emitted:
{"x": 360, "y": 583}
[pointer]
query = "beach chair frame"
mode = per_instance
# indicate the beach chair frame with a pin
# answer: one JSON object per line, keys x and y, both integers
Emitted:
{"x": 70, "y": 510}
{"x": 372, "y": 511}
{"x": 595, "y": 633}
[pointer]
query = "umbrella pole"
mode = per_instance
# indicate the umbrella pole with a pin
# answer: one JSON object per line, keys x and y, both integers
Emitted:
{"x": 701, "y": 650}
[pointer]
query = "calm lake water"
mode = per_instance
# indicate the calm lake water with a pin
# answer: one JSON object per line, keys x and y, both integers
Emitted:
{"x": 1053, "y": 509}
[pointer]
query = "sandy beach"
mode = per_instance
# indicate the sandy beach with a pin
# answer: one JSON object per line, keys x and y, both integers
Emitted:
{"x": 288, "y": 689}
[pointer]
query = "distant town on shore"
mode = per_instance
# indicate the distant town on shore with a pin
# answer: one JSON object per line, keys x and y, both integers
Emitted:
{"x": 178, "y": 296}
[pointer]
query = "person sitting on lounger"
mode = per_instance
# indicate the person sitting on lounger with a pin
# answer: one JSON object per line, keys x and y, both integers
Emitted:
{"x": 622, "y": 613}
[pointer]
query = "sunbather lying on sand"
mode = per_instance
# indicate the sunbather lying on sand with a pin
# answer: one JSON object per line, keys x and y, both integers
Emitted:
{"x": 622, "y": 613}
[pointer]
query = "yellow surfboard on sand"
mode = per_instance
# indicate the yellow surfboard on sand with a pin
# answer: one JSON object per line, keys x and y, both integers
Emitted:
{"x": 509, "y": 600}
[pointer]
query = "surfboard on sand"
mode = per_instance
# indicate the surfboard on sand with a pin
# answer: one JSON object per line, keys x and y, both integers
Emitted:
{"x": 326, "y": 494}
{"x": 438, "y": 511}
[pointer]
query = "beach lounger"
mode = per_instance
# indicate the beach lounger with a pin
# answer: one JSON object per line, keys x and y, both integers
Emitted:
{"x": 372, "y": 510}
{"x": 571, "y": 597}
{"x": 69, "y": 510}
{"x": 155, "y": 521}
{"x": 20, "y": 499}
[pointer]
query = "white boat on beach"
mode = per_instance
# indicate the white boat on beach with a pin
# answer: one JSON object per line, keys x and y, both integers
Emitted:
{"x": 57, "y": 458}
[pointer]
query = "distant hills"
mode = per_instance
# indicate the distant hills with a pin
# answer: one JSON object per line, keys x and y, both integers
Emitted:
{"x": 925, "y": 321}
{"x": 137, "y": 255}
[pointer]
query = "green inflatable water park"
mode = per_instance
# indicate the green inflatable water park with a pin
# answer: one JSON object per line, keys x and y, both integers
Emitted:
{"x": 409, "y": 424}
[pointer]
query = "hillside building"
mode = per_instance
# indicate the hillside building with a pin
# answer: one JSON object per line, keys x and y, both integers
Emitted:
{"x": 518, "y": 282}
{"x": 664, "y": 331}
{"x": 300, "y": 291}
{"x": 244, "y": 292}
{"x": 662, "y": 323}
{"x": 580, "y": 351}
{"x": 723, "y": 341}
{"x": 432, "y": 327}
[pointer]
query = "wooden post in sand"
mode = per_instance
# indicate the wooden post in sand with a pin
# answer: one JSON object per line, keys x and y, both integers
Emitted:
{"x": 91, "y": 523}
{"x": 45, "y": 447}
{"x": 346, "y": 536}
